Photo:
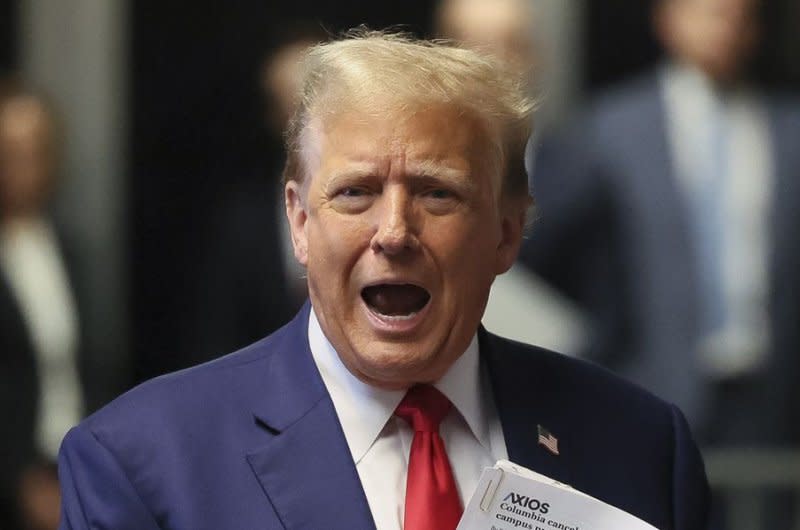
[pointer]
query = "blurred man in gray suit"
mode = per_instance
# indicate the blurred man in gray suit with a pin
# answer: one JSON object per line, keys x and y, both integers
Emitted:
{"x": 671, "y": 216}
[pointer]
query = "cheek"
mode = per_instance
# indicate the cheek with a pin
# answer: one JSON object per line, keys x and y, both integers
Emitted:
{"x": 335, "y": 246}
{"x": 467, "y": 253}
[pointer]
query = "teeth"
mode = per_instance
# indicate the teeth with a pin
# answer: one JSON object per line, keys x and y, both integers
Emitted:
{"x": 398, "y": 318}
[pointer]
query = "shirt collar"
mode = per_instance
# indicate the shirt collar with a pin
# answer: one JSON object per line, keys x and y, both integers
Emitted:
{"x": 364, "y": 410}
{"x": 467, "y": 390}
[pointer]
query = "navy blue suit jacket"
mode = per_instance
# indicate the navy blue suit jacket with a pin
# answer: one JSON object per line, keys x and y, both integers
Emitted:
{"x": 252, "y": 441}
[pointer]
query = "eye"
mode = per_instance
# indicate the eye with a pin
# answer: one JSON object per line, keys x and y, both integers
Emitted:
{"x": 440, "y": 200}
{"x": 439, "y": 193}
{"x": 353, "y": 199}
{"x": 353, "y": 191}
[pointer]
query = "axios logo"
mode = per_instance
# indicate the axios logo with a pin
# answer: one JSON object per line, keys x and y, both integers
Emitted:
{"x": 527, "y": 502}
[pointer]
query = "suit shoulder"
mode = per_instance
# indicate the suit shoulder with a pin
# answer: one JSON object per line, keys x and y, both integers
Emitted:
{"x": 786, "y": 109}
{"x": 203, "y": 391}
{"x": 620, "y": 113}
{"x": 784, "y": 101}
{"x": 607, "y": 426}
{"x": 586, "y": 384}
{"x": 626, "y": 97}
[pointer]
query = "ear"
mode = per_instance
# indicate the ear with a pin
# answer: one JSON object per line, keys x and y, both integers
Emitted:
{"x": 297, "y": 215}
{"x": 512, "y": 227}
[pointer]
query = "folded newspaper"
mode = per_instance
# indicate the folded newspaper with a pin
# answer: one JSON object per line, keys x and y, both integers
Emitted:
{"x": 511, "y": 497}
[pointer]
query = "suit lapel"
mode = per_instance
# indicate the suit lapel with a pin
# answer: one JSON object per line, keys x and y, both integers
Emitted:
{"x": 654, "y": 203}
{"x": 524, "y": 400}
{"x": 305, "y": 466}
{"x": 657, "y": 183}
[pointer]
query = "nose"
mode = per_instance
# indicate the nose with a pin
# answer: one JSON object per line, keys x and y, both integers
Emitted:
{"x": 396, "y": 232}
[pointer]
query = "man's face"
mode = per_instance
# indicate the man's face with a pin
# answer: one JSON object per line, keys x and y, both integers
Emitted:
{"x": 401, "y": 230}
{"x": 717, "y": 36}
{"x": 25, "y": 155}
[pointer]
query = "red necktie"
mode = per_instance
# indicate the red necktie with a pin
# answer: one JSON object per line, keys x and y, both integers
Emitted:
{"x": 432, "y": 501}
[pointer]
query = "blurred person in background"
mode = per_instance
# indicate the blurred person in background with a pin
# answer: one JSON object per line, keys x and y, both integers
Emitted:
{"x": 503, "y": 28}
{"x": 41, "y": 336}
{"x": 671, "y": 212}
{"x": 249, "y": 283}
{"x": 521, "y": 305}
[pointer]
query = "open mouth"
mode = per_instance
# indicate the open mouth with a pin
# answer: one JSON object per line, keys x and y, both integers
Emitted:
{"x": 401, "y": 301}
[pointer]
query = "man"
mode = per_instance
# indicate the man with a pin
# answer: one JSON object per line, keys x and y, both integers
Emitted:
{"x": 47, "y": 377}
{"x": 405, "y": 198}
{"x": 682, "y": 191}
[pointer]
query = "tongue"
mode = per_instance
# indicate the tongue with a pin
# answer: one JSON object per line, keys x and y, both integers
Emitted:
{"x": 395, "y": 300}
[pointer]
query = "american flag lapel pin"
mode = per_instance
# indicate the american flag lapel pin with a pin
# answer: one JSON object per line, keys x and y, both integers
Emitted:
{"x": 546, "y": 439}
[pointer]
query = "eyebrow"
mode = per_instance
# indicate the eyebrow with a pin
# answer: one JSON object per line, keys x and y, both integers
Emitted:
{"x": 354, "y": 170}
{"x": 432, "y": 170}
{"x": 424, "y": 170}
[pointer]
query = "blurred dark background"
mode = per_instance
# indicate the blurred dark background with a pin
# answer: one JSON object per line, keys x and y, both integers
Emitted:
{"x": 8, "y": 35}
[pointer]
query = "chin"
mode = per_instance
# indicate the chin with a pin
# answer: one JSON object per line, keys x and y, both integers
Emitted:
{"x": 390, "y": 365}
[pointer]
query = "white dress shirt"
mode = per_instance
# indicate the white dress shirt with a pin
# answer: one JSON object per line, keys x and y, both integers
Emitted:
{"x": 380, "y": 442}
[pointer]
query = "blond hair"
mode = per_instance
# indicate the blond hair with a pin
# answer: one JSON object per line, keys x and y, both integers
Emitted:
{"x": 368, "y": 70}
